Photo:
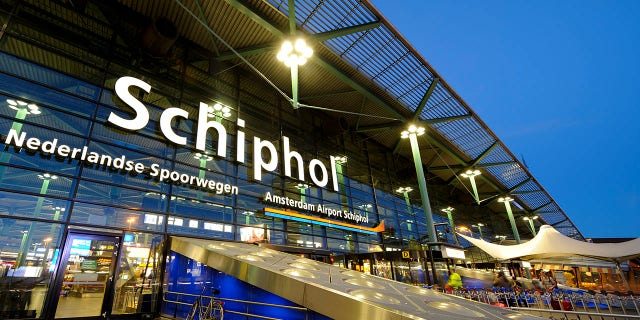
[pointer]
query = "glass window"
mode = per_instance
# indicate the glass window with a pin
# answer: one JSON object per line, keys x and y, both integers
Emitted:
{"x": 17, "y": 204}
{"x": 29, "y": 252}
{"x": 138, "y": 271}
{"x": 103, "y": 215}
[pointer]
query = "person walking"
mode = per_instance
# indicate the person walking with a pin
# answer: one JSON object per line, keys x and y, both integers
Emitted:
{"x": 454, "y": 282}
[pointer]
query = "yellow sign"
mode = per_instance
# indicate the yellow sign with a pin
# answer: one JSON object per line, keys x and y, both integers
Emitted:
{"x": 406, "y": 255}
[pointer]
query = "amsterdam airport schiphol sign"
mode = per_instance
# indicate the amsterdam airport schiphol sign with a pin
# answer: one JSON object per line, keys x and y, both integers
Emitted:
{"x": 317, "y": 170}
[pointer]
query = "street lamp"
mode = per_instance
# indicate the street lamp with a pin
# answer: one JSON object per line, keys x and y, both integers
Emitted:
{"x": 507, "y": 206}
{"x": 501, "y": 238}
{"x": 479, "y": 226}
{"x": 471, "y": 175}
{"x": 130, "y": 221}
{"x": 218, "y": 111}
{"x": 303, "y": 190}
{"x": 22, "y": 110}
{"x": 449, "y": 211}
{"x": 412, "y": 134}
{"x": 530, "y": 219}
{"x": 340, "y": 160}
{"x": 294, "y": 54}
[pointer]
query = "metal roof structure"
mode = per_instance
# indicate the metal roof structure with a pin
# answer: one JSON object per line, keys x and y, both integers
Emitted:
{"x": 363, "y": 72}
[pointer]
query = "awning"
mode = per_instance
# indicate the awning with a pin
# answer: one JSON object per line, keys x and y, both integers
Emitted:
{"x": 332, "y": 291}
{"x": 550, "y": 243}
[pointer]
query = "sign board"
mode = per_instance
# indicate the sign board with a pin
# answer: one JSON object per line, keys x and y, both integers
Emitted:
{"x": 406, "y": 255}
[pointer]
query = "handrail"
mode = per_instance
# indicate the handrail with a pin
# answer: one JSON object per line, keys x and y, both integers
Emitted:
{"x": 233, "y": 300}
{"x": 164, "y": 299}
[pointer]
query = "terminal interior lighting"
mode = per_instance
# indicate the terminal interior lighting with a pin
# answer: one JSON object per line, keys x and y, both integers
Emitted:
{"x": 341, "y": 159}
{"x": 404, "y": 189}
{"x": 203, "y": 157}
{"x": 47, "y": 176}
{"x": 18, "y": 105}
{"x": 294, "y": 54}
{"x": 218, "y": 110}
{"x": 413, "y": 129}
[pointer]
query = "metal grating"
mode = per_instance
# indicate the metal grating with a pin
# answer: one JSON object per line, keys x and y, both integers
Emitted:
{"x": 383, "y": 56}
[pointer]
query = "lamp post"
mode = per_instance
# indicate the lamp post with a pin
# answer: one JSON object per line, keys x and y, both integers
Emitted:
{"x": 405, "y": 192}
{"x": 22, "y": 254}
{"x": 531, "y": 225}
{"x": 471, "y": 175}
{"x": 303, "y": 191}
{"x": 340, "y": 160}
{"x": 412, "y": 134}
{"x": 501, "y": 238}
{"x": 22, "y": 110}
{"x": 507, "y": 206}
{"x": 479, "y": 226}
{"x": 449, "y": 212}
{"x": 218, "y": 111}
{"x": 294, "y": 54}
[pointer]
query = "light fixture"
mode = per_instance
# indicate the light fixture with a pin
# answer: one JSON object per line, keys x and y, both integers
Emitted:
{"x": 302, "y": 186}
{"x": 404, "y": 189}
{"x": 202, "y": 157}
{"x": 294, "y": 54}
{"x": 479, "y": 226}
{"x": 449, "y": 212}
{"x": 531, "y": 225}
{"x": 418, "y": 131}
{"x": 471, "y": 175}
{"x": 340, "y": 159}
{"x": 28, "y": 108}
{"x": 412, "y": 134}
{"x": 507, "y": 205}
{"x": 218, "y": 110}
{"x": 47, "y": 176}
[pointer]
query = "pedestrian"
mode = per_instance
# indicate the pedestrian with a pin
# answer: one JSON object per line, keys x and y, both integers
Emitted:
{"x": 454, "y": 282}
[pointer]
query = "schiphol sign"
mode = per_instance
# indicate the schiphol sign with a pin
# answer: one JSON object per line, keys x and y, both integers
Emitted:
{"x": 317, "y": 170}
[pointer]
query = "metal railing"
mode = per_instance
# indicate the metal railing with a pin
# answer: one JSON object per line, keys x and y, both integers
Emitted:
{"x": 562, "y": 303}
{"x": 187, "y": 299}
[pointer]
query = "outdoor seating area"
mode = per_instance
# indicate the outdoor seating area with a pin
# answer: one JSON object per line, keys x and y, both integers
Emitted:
{"x": 577, "y": 303}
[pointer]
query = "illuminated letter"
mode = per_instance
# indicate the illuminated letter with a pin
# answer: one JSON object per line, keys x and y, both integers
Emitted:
{"x": 287, "y": 159}
{"x": 240, "y": 142}
{"x": 165, "y": 124}
{"x": 258, "y": 163}
{"x": 142, "y": 114}
{"x": 312, "y": 173}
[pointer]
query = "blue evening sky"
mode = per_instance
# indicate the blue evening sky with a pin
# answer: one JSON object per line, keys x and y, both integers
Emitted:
{"x": 557, "y": 81}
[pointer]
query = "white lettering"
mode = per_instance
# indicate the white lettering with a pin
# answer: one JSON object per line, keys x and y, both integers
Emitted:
{"x": 142, "y": 114}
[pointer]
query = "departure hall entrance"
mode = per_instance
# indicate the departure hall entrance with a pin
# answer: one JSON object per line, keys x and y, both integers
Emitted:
{"x": 84, "y": 280}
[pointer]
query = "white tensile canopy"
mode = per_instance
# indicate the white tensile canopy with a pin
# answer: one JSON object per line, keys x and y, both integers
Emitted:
{"x": 550, "y": 243}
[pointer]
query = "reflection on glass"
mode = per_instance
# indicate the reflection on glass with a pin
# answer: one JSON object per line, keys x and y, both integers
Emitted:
{"x": 86, "y": 276}
{"x": 137, "y": 280}
{"x": 28, "y": 252}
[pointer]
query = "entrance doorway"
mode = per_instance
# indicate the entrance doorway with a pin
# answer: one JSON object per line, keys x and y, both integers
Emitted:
{"x": 84, "y": 281}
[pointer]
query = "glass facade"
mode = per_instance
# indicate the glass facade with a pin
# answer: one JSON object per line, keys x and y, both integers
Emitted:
{"x": 65, "y": 169}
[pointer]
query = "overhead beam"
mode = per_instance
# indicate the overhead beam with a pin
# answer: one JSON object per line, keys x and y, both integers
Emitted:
{"x": 377, "y": 127}
{"x": 484, "y": 154}
{"x": 263, "y": 22}
{"x": 519, "y": 185}
{"x": 322, "y": 36}
{"x": 250, "y": 51}
{"x": 425, "y": 99}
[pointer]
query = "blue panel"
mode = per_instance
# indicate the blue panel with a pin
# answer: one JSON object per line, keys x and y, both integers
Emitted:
{"x": 187, "y": 276}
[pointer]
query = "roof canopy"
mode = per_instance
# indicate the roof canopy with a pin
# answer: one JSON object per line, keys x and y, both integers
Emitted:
{"x": 550, "y": 243}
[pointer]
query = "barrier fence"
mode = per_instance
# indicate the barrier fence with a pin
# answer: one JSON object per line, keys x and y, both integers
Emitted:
{"x": 560, "y": 303}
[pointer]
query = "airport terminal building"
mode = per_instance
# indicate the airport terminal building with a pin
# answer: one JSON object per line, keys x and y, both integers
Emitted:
{"x": 135, "y": 132}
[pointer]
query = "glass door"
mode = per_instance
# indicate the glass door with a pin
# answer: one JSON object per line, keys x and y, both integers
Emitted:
{"x": 85, "y": 276}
